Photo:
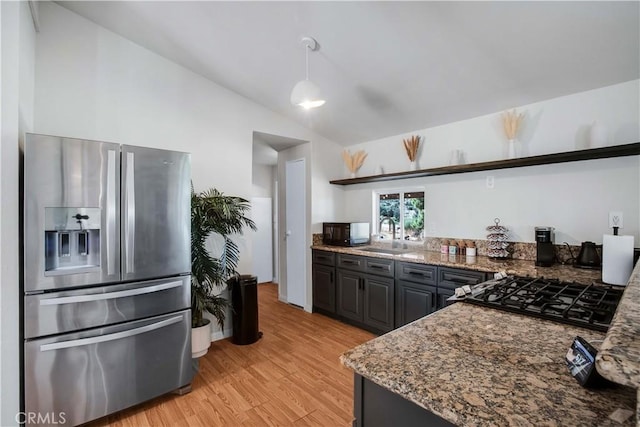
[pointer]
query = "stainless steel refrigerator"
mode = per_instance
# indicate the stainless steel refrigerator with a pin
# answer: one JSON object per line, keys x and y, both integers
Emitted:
{"x": 106, "y": 264}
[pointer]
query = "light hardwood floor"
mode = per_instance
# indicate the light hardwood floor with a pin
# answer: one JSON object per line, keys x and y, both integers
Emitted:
{"x": 290, "y": 377}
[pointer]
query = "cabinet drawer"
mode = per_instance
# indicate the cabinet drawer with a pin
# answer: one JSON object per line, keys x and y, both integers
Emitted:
{"x": 134, "y": 362}
{"x": 379, "y": 266}
{"x": 351, "y": 262}
{"x": 323, "y": 257}
{"x": 419, "y": 273}
{"x": 454, "y": 277}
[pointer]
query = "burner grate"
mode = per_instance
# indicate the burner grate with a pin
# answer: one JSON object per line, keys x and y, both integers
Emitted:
{"x": 590, "y": 306}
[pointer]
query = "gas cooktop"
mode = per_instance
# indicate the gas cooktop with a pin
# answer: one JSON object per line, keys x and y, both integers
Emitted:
{"x": 589, "y": 306}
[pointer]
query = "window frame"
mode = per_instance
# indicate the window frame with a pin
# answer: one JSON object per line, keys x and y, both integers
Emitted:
{"x": 375, "y": 213}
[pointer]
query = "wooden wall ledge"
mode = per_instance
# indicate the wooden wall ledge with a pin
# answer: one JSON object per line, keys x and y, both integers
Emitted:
{"x": 545, "y": 159}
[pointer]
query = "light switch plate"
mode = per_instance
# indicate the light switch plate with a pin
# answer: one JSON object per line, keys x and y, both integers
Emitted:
{"x": 616, "y": 219}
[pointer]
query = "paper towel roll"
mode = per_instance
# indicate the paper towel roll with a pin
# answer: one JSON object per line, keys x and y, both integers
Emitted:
{"x": 617, "y": 259}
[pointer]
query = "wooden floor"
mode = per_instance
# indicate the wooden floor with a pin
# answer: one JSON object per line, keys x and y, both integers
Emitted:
{"x": 290, "y": 377}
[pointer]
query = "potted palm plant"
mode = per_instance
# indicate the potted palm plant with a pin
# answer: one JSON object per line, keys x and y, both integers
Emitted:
{"x": 213, "y": 213}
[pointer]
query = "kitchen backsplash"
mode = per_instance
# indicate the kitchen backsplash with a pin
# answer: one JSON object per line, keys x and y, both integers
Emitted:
{"x": 518, "y": 250}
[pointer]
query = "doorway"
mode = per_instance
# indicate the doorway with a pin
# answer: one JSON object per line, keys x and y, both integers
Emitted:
{"x": 271, "y": 153}
{"x": 295, "y": 234}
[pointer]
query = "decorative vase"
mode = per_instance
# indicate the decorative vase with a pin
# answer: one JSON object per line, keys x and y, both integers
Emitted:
{"x": 413, "y": 165}
{"x": 511, "y": 153}
{"x": 200, "y": 340}
{"x": 598, "y": 135}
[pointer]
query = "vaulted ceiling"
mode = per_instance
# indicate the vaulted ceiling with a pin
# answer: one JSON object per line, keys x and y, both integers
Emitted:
{"x": 387, "y": 68}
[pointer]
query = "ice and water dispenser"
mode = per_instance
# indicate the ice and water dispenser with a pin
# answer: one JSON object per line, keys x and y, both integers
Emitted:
{"x": 72, "y": 240}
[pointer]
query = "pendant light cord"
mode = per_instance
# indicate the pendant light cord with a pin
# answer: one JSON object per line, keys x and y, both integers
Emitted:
{"x": 306, "y": 51}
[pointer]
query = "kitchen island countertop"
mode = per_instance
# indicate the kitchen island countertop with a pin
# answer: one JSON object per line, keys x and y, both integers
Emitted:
{"x": 476, "y": 366}
{"x": 619, "y": 357}
{"x": 477, "y": 263}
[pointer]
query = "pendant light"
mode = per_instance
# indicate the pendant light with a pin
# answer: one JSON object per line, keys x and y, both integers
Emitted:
{"x": 305, "y": 93}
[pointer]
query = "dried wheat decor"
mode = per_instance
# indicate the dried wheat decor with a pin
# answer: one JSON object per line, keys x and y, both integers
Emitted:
{"x": 353, "y": 161}
{"x": 411, "y": 147}
{"x": 511, "y": 122}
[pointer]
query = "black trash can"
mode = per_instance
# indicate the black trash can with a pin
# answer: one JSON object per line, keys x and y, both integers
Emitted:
{"x": 244, "y": 301}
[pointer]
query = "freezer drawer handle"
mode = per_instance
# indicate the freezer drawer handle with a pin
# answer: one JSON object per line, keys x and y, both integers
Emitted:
{"x": 111, "y": 295}
{"x": 111, "y": 337}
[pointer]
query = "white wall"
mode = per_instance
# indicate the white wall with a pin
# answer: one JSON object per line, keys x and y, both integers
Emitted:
{"x": 16, "y": 93}
{"x": 94, "y": 84}
{"x": 263, "y": 179}
{"x": 575, "y": 198}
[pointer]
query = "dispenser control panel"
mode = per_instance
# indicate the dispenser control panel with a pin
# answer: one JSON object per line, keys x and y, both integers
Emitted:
{"x": 72, "y": 240}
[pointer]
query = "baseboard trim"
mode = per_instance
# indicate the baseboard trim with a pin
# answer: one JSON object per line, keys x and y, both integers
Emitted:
{"x": 220, "y": 335}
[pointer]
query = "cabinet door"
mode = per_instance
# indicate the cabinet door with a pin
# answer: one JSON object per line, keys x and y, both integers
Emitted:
{"x": 378, "y": 302}
{"x": 413, "y": 301}
{"x": 349, "y": 301}
{"x": 443, "y": 294}
{"x": 324, "y": 288}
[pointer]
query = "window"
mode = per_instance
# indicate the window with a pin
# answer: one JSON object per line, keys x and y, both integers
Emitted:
{"x": 399, "y": 215}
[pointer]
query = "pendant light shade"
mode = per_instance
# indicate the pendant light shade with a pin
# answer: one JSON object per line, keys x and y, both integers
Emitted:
{"x": 306, "y": 93}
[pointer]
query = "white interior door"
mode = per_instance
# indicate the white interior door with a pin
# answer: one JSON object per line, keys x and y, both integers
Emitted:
{"x": 295, "y": 231}
{"x": 261, "y": 214}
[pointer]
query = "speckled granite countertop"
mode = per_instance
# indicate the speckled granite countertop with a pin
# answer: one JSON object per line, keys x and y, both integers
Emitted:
{"x": 478, "y": 263}
{"x": 476, "y": 366}
{"x": 619, "y": 355}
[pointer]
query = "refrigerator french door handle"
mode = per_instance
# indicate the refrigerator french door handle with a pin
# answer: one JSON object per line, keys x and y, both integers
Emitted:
{"x": 110, "y": 337}
{"x": 111, "y": 295}
{"x": 111, "y": 211}
{"x": 130, "y": 229}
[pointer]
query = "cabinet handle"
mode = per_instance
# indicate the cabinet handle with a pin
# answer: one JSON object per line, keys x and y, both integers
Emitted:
{"x": 378, "y": 267}
{"x": 346, "y": 261}
{"x": 331, "y": 277}
{"x": 360, "y": 283}
{"x": 415, "y": 273}
{"x": 459, "y": 281}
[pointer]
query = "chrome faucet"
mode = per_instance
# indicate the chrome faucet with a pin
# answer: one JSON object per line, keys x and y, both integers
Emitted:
{"x": 391, "y": 222}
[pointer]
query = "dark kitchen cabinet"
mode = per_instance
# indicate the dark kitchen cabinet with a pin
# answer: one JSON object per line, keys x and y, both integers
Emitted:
{"x": 324, "y": 288}
{"x": 413, "y": 301}
{"x": 378, "y": 302}
{"x": 443, "y": 294}
{"x": 324, "y": 282}
{"x": 416, "y": 291}
{"x": 379, "y": 294}
{"x": 365, "y": 299}
{"x": 456, "y": 277}
{"x": 350, "y": 297}
{"x": 451, "y": 278}
{"x": 365, "y": 291}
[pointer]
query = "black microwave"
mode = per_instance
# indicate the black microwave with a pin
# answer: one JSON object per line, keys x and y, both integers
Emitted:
{"x": 345, "y": 233}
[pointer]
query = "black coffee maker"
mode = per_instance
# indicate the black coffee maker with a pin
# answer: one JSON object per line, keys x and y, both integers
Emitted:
{"x": 545, "y": 251}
